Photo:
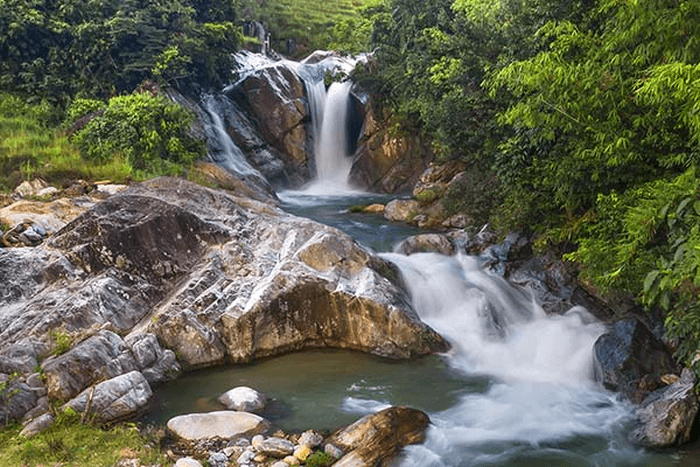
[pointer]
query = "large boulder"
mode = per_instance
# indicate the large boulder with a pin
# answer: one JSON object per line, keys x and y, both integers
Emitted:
{"x": 180, "y": 269}
{"x": 667, "y": 415}
{"x": 115, "y": 399}
{"x": 632, "y": 360}
{"x": 376, "y": 438}
{"x": 222, "y": 424}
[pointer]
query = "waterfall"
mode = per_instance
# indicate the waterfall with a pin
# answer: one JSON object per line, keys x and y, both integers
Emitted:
{"x": 223, "y": 150}
{"x": 333, "y": 163}
{"x": 540, "y": 368}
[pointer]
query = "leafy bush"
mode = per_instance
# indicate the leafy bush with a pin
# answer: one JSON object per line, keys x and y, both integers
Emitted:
{"x": 148, "y": 131}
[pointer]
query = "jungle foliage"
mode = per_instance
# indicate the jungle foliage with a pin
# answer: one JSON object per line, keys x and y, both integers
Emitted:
{"x": 587, "y": 113}
{"x": 57, "y": 50}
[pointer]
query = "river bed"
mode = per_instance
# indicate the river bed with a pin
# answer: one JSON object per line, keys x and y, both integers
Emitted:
{"x": 516, "y": 390}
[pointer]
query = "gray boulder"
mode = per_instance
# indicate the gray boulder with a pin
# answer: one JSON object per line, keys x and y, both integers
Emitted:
{"x": 203, "y": 274}
{"x": 158, "y": 365}
{"x": 275, "y": 447}
{"x": 435, "y": 243}
{"x": 667, "y": 415}
{"x": 98, "y": 358}
{"x": 116, "y": 399}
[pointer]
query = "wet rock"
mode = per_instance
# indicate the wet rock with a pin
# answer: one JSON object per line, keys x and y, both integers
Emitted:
{"x": 243, "y": 399}
{"x": 275, "y": 447}
{"x": 401, "y": 210}
{"x": 629, "y": 355}
{"x": 426, "y": 243}
{"x": 98, "y": 358}
{"x": 376, "y": 438}
{"x": 666, "y": 417}
{"x": 276, "y": 98}
{"x": 222, "y": 424}
{"x": 115, "y": 399}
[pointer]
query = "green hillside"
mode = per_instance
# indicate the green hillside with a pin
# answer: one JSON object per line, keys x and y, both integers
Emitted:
{"x": 312, "y": 24}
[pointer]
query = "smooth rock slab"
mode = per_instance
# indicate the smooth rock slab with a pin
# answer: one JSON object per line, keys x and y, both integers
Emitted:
{"x": 225, "y": 424}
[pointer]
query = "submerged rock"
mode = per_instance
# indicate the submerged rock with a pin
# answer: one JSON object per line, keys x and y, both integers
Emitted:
{"x": 667, "y": 415}
{"x": 243, "y": 399}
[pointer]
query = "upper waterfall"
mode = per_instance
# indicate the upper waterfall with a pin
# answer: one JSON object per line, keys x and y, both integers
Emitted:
{"x": 333, "y": 163}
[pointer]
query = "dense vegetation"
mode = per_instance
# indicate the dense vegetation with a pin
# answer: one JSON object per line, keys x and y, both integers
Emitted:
{"x": 585, "y": 111}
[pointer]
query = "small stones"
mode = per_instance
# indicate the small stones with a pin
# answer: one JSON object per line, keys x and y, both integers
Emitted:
{"x": 218, "y": 459}
{"x": 333, "y": 451}
{"x": 310, "y": 438}
{"x": 302, "y": 452}
{"x": 188, "y": 462}
{"x": 275, "y": 447}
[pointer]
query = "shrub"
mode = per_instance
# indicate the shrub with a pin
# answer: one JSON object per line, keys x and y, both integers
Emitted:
{"x": 148, "y": 131}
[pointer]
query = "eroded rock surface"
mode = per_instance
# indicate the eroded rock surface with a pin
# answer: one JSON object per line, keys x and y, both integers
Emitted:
{"x": 179, "y": 269}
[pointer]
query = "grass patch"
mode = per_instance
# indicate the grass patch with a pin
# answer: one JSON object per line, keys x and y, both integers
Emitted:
{"x": 69, "y": 443}
{"x": 308, "y": 22}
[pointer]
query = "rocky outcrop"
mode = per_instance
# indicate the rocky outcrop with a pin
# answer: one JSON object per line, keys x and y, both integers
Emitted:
{"x": 377, "y": 438}
{"x": 667, "y": 415}
{"x": 182, "y": 270}
{"x": 274, "y": 99}
{"x": 385, "y": 161}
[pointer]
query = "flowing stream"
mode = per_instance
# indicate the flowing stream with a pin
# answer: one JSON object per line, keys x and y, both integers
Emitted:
{"x": 517, "y": 388}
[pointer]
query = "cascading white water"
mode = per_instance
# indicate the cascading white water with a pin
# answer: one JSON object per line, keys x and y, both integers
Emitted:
{"x": 223, "y": 150}
{"x": 541, "y": 368}
{"x": 333, "y": 163}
